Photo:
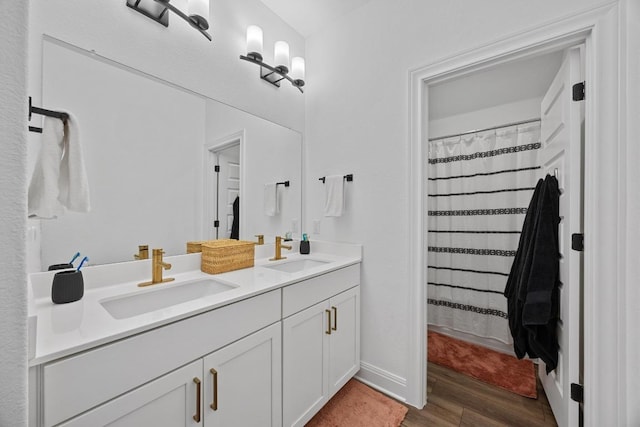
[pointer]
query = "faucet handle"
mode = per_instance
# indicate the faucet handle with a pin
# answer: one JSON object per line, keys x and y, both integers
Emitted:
{"x": 260, "y": 239}
{"x": 279, "y": 241}
{"x": 143, "y": 252}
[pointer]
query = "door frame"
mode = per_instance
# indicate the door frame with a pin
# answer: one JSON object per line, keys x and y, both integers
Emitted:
{"x": 209, "y": 160}
{"x": 603, "y": 202}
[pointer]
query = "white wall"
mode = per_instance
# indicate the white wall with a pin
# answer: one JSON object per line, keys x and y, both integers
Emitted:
{"x": 512, "y": 112}
{"x": 357, "y": 122}
{"x": 13, "y": 211}
{"x": 178, "y": 53}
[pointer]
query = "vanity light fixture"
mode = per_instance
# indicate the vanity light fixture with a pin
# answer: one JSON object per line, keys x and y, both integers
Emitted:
{"x": 280, "y": 71}
{"x": 198, "y": 12}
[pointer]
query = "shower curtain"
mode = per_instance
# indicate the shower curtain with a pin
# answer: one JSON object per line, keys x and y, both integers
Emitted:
{"x": 479, "y": 187}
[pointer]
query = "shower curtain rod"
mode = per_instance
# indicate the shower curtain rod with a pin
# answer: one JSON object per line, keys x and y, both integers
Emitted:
{"x": 486, "y": 129}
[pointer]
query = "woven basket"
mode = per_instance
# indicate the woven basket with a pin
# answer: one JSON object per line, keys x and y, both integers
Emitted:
{"x": 219, "y": 256}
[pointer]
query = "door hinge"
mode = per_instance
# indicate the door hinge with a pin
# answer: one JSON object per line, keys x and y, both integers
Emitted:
{"x": 578, "y": 91}
{"x": 216, "y": 168}
{"x": 577, "y": 392}
{"x": 577, "y": 242}
{"x": 216, "y": 223}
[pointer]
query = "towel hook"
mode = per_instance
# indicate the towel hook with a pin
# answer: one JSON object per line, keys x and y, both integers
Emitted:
{"x": 555, "y": 174}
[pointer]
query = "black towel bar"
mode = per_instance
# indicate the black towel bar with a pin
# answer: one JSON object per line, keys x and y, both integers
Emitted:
{"x": 348, "y": 178}
{"x": 44, "y": 112}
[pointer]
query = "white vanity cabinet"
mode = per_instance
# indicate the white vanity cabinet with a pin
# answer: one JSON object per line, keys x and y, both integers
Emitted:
{"x": 321, "y": 342}
{"x": 243, "y": 382}
{"x": 239, "y": 384}
{"x": 169, "y": 401}
{"x": 131, "y": 378}
{"x": 268, "y": 360}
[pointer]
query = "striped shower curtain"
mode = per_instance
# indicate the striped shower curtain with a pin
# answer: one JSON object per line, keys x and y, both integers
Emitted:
{"x": 479, "y": 187}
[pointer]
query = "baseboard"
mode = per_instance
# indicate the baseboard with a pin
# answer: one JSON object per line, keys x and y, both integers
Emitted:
{"x": 383, "y": 381}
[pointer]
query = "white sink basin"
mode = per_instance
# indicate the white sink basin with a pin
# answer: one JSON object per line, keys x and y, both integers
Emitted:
{"x": 165, "y": 295}
{"x": 296, "y": 265}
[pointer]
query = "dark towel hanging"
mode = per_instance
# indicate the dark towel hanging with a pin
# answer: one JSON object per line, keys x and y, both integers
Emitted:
{"x": 532, "y": 289}
{"x": 235, "y": 226}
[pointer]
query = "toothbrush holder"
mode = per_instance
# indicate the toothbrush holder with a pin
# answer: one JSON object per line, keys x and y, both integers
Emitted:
{"x": 304, "y": 247}
{"x": 67, "y": 286}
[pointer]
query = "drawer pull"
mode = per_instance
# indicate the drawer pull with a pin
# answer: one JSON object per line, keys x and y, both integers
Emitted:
{"x": 196, "y": 417}
{"x": 328, "y": 331}
{"x": 214, "y": 404}
{"x": 335, "y": 318}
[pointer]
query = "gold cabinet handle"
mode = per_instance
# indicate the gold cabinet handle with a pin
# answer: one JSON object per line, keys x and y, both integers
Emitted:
{"x": 196, "y": 417}
{"x": 328, "y": 331}
{"x": 335, "y": 318}
{"x": 214, "y": 404}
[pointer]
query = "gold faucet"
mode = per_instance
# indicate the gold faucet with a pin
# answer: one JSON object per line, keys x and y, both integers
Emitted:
{"x": 279, "y": 247}
{"x": 260, "y": 239}
{"x": 143, "y": 252}
{"x": 157, "y": 265}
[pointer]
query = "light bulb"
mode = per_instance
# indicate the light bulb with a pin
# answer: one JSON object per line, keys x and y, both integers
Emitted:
{"x": 281, "y": 57}
{"x": 254, "y": 42}
{"x": 297, "y": 70}
{"x": 199, "y": 13}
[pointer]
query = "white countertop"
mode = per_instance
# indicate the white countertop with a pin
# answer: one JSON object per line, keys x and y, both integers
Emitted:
{"x": 63, "y": 329}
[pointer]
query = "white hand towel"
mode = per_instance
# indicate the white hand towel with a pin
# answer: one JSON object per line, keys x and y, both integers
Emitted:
{"x": 271, "y": 199}
{"x": 59, "y": 179}
{"x": 43, "y": 188}
{"x": 73, "y": 183}
{"x": 333, "y": 195}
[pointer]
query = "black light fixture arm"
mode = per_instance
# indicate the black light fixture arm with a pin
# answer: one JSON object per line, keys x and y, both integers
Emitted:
{"x": 272, "y": 75}
{"x": 195, "y": 21}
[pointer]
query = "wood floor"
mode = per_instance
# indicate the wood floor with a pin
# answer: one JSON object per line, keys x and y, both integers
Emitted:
{"x": 454, "y": 399}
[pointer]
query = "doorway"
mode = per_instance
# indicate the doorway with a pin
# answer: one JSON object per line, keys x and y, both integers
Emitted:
{"x": 598, "y": 30}
{"x": 493, "y": 133}
{"x": 222, "y": 188}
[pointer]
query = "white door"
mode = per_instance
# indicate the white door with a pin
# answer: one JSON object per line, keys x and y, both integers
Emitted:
{"x": 169, "y": 401}
{"x": 243, "y": 382}
{"x": 228, "y": 187}
{"x": 305, "y": 361}
{"x": 344, "y": 342}
{"x": 562, "y": 154}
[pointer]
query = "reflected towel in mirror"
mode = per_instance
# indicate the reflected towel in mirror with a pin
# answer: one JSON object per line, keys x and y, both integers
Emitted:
{"x": 271, "y": 199}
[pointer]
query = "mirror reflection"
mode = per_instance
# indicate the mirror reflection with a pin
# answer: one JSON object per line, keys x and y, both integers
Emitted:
{"x": 165, "y": 165}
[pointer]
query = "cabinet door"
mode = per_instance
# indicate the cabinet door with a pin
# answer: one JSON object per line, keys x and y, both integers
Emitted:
{"x": 170, "y": 401}
{"x": 305, "y": 364}
{"x": 243, "y": 382}
{"x": 344, "y": 347}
